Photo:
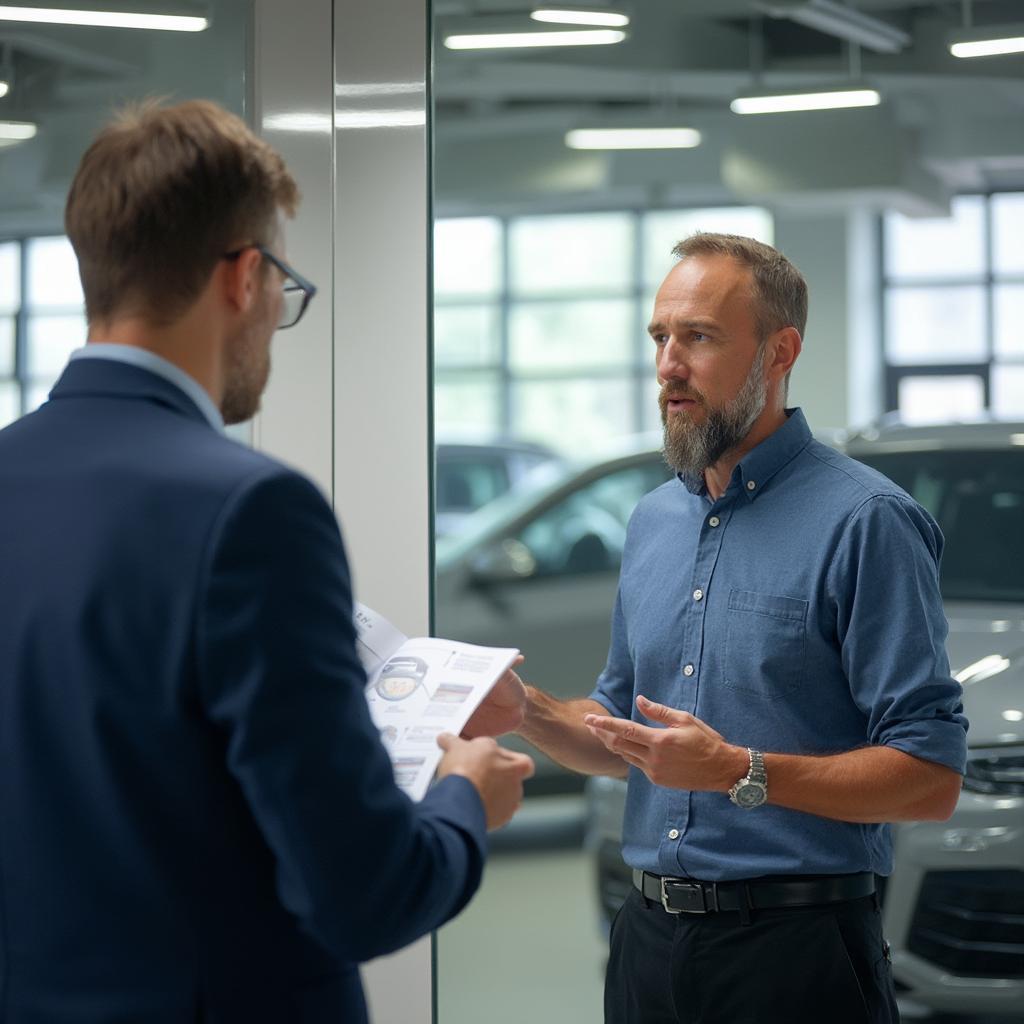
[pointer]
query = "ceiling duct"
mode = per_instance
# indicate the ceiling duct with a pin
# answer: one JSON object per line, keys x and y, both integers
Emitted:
{"x": 839, "y": 20}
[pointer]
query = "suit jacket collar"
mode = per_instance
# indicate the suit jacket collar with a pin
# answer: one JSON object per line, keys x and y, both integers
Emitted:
{"x": 110, "y": 379}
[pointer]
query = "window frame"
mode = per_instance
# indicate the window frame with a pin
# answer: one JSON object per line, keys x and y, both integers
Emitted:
{"x": 988, "y": 280}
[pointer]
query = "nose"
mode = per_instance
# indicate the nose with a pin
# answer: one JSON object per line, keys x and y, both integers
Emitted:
{"x": 671, "y": 363}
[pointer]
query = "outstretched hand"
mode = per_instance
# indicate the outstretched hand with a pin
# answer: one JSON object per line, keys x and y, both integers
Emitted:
{"x": 502, "y": 710}
{"x": 683, "y": 753}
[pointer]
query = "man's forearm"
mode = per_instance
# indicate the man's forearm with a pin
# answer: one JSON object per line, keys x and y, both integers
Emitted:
{"x": 556, "y": 728}
{"x": 871, "y": 784}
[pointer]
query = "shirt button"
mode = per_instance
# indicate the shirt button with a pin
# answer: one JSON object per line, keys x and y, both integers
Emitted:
{"x": 698, "y": 595}
{"x": 751, "y": 485}
{"x": 673, "y": 833}
{"x": 688, "y": 670}
{"x": 714, "y": 521}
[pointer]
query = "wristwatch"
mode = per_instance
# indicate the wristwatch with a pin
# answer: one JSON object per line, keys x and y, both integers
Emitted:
{"x": 752, "y": 789}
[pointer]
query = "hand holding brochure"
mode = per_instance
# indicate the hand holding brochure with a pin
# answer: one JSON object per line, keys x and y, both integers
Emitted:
{"x": 421, "y": 688}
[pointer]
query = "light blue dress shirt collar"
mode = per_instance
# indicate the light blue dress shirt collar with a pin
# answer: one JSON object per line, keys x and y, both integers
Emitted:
{"x": 146, "y": 360}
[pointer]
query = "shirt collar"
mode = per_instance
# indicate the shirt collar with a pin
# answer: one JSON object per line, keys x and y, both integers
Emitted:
{"x": 146, "y": 360}
{"x": 760, "y": 464}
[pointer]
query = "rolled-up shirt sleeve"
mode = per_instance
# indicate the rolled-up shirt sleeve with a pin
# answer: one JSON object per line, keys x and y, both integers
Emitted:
{"x": 884, "y": 582}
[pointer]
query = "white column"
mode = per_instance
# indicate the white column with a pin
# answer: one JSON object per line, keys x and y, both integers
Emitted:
{"x": 349, "y": 398}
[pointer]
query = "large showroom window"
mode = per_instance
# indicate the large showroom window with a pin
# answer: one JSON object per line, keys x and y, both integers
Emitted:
{"x": 539, "y": 321}
{"x": 954, "y": 310}
{"x": 41, "y": 320}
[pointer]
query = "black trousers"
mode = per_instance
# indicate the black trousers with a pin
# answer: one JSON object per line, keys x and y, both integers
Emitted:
{"x": 801, "y": 965}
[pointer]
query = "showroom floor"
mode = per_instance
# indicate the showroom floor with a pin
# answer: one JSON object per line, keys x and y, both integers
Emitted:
{"x": 529, "y": 948}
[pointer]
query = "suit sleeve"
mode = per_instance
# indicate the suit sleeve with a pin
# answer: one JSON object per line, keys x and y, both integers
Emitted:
{"x": 364, "y": 868}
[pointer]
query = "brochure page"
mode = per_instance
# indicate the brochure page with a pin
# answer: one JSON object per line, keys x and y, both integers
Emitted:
{"x": 420, "y": 688}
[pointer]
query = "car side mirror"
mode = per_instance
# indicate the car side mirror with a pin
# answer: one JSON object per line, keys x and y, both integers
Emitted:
{"x": 504, "y": 562}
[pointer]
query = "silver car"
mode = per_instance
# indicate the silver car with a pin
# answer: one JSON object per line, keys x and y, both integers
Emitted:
{"x": 954, "y": 905}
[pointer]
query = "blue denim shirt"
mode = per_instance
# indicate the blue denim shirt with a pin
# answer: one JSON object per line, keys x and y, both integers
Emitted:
{"x": 799, "y": 613}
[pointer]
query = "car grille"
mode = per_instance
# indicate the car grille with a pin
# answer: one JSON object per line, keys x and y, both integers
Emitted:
{"x": 971, "y": 923}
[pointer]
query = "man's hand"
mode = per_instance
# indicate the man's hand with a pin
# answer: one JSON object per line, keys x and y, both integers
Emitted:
{"x": 502, "y": 710}
{"x": 685, "y": 754}
{"x": 496, "y": 773}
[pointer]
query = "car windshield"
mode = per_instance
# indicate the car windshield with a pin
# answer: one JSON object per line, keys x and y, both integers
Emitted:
{"x": 977, "y": 497}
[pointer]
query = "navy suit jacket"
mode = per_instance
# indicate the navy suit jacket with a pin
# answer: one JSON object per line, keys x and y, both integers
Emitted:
{"x": 198, "y": 821}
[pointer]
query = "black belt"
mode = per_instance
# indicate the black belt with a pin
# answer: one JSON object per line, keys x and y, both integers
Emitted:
{"x": 687, "y": 896}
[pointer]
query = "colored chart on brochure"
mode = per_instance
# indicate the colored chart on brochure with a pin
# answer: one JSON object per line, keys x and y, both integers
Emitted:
{"x": 420, "y": 688}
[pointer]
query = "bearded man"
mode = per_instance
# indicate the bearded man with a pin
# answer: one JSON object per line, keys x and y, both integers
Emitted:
{"x": 776, "y": 690}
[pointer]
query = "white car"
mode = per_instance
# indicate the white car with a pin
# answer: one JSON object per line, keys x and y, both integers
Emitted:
{"x": 954, "y": 905}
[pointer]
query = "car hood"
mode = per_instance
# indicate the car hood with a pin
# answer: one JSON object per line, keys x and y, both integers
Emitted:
{"x": 986, "y": 653}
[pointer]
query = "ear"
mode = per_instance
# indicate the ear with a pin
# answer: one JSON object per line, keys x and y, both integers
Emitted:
{"x": 786, "y": 345}
{"x": 241, "y": 280}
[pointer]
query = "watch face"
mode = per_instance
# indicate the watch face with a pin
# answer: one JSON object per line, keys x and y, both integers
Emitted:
{"x": 750, "y": 794}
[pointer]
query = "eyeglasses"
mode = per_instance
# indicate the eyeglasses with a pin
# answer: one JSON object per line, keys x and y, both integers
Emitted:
{"x": 297, "y": 290}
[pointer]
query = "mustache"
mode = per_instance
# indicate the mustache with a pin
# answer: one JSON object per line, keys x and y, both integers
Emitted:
{"x": 672, "y": 392}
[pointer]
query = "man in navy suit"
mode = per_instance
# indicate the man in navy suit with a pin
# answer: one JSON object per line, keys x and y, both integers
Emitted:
{"x": 198, "y": 821}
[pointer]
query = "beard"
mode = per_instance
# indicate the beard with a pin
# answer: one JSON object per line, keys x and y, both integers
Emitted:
{"x": 247, "y": 370}
{"x": 691, "y": 448}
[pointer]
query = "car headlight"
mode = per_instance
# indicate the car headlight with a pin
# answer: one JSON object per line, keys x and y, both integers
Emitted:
{"x": 996, "y": 772}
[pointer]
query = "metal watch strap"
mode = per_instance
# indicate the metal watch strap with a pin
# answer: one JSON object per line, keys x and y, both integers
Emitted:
{"x": 757, "y": 771}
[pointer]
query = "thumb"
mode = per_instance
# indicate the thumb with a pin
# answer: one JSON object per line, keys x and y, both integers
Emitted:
{"x": 661, "y": 713}
{"x": 446, "y": 741}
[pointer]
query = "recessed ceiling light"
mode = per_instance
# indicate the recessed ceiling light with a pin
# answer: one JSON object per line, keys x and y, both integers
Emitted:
{"x": 992, "y": 41}
{"x": 633, "y": 138}
{"x": 516, "y": 40}
{"x": 565, "y": 15}
{"x": 827, "y": 99}
{"x": 103, "y": 19}
{"x": 17, "y": 131}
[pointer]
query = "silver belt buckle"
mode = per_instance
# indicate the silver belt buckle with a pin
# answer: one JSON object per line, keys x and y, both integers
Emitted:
{"x": 691, "y": 892}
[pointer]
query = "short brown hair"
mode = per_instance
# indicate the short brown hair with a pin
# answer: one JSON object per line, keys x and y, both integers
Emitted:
{"x": 160, "y": 196}
{"x": 780, "y": 291}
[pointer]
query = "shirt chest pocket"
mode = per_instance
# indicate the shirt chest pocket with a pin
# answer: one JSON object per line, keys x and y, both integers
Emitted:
{"x": 765, "y": 644}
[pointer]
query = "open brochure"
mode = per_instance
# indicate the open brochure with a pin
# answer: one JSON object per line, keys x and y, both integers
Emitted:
{"x": 420, "y": 688}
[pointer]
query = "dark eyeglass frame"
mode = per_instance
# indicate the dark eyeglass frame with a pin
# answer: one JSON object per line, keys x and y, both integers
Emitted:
{"x": 300, "y": 283}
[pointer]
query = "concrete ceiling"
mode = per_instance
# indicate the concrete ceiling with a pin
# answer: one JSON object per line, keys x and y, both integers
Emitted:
{"x": 944, "y": 125}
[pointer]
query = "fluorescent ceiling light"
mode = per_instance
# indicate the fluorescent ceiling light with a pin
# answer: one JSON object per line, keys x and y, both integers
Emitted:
{"x": 987, "y": 42}
{"x": 580, "y": 16}
{"x": 103, "y": 19}
{"x": 633, "y": 138}
{"x": 4, "y": 88}
{"x": 510, "y": 40}
{"x": 830, "y": 99}
{"x": 836, "y": 19}
{"x": 17, "y": 131}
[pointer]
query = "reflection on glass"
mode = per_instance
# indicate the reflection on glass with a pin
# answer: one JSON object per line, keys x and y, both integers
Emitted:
{"x": 467, "y": 256}
{"x": 563, "y": 335}
{"x": 466, "y": 335}
{"x": 935, "y": 325}
{"x": 1008, "y": 310}
{"x": 52, "y": 274}
{"x": 10, "y": 277}
{"x": 941, "y": 399}
{"x": 1008, "y": 391}
{"x": 51, "y": 339}
{"x": 1007, "y": 232}
{"x": 10, "y": 402}
{"x": 6, "y": 346}
{"x": 467, "y": 402}
{"x": 664, "y": 228}
{"x": 929, "y": 247}
{"x": 578, "y": 416}
{"x": 579, "y": 252}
